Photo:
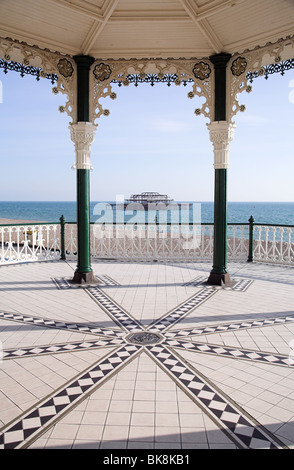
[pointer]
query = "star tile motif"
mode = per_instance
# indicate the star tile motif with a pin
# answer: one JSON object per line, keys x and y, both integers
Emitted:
{"x": 163, "y": 344}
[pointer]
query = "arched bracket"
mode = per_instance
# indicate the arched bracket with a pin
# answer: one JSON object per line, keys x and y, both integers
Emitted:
{"x": 262, "y": 61}
{"x": 171, "y": 71}
{"x": 42, "y": 63}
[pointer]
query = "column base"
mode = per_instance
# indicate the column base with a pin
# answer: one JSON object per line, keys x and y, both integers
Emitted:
{"x": 218, "y": 279}
{"x": 84, "y": 278}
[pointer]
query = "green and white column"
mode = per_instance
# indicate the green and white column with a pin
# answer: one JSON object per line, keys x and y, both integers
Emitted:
{"x": 221, "y": 133}
{"x": 83, "y": 134}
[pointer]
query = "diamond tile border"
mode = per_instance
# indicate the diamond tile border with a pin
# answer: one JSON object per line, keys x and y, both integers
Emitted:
{"x": 102, "y": 279}
{"x": 117, "y": 313}
{"x": 234, "y": 421}
{"x": 61, "y": 325}
{"x": 180, "y": 312}
{"x": 25, "y": 429}
{"x": 223, "y": 327}
{"x": 238, "y": 284}
{"x": 16, "y": 353}
{"x": 228, "y": 351}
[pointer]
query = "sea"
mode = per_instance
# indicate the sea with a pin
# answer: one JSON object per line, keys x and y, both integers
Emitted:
{"x": 279, "y": 213}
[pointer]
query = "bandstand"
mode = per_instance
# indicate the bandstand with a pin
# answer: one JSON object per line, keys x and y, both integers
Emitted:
{"x": 149, "y": 353}
{"x": 84, "y": 47}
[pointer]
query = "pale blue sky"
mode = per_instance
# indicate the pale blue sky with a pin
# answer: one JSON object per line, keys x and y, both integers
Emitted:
{"x": 151, "y": 141}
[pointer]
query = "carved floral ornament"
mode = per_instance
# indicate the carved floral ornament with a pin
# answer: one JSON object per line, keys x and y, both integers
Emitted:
{"x": 239, "y": 66}
{"x": 102, "y": 72}
{"x": 65, "y": 67}
{"x": 202, "y": 70}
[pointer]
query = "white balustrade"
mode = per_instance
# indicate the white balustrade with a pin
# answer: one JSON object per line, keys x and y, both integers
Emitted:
{"x": 237, "y": 242}
{"x": 147, "y": 242}
{"x": 22, "y": 243}
{"x": 274, "y": 244}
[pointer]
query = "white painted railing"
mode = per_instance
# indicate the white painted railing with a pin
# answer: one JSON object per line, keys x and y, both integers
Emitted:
{"x": 160, "y": 242}
{"x": 273, "y": 244}
{"x": 22, "y": 243}
{"x": 41, "y": 242}
{"x": 151, "y": 241}
{"x": 237, "y": 242}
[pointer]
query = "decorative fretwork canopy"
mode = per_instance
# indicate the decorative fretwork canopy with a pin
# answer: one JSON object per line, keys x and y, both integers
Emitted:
{"x": 150, "y": 41}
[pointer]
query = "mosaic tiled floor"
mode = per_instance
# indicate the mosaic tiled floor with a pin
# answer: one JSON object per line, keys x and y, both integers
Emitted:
{"x": 180, "y": 352}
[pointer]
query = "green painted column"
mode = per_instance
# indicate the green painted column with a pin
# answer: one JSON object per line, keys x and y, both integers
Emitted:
{"x": 219, "y": 272}
{"x": 221, "y": 133}
{"x": 82, "y": 134}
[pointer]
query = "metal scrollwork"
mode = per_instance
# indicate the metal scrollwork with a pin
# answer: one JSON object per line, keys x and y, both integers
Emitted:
{"x": 152, "y": 79}
{"x": 259, "y": 62}
{"x": 239, "y": 66}
{"x": 202, "y": 70}
{"x": 65, "y": 67}
{"x": 270, "y": 69}
{"x": 102, "y": 72}
{"x": 27, "y": 69}
{"x": 41, "y": 63}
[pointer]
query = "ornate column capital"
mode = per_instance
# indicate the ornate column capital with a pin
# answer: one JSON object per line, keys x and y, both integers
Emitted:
{"x": 221, "y": 133}
{"x": 83, "y": 135}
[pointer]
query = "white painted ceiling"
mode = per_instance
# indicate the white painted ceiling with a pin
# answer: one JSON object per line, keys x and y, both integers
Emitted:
{"x": 146, "y": 28}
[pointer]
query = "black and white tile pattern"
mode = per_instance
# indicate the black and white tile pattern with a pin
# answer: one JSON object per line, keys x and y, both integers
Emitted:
{"x": 239, "y": 426}
{"x": 117, "y": 313}
{"x": 23, "y": 429}
{"x": 61, "y": 325}
{"x": 226, "y": 351}
{"x": 102, "y": 280}
{"x": 14, "y": 353}
{"x": 238, "y": 284}
{"x": 182, "y": 311}
{"x": 242, "y": 429}
{"x": 224, "y": 327}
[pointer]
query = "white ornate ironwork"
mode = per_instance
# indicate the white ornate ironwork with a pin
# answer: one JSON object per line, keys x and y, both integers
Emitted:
{"x": 104, "y": 73}
{"x": 249, "y": 62}
{"x": 147, "y": 242}
{"x": 22, "y": 243}
{"x": 50, "y": 63}
{"x": 237, "y": 242}
{"x": 150, "y": 242}
{"x": 274, "y": 244}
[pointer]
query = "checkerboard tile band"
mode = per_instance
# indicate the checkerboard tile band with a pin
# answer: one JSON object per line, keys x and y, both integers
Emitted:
{"x": 238, "y": 284}
{"x": 49, "y": 323}
{"x": 102, "y": 279}
{"x": 17, "y": 353}
{"x": 30, "y": 425}
{"x": 236, "y": 353}
{"x": 120, "y": 316}
{"x": 235, "y": 422}
{"x": 180, "y": 312}
{"x": 223, "y": 327}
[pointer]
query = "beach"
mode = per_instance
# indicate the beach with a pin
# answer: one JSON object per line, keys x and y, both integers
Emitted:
{"x": 18, "y": 221}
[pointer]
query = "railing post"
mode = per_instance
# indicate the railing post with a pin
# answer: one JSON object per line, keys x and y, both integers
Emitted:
{"x": 250, "y": 251}
{"x": 62, "y": 237}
